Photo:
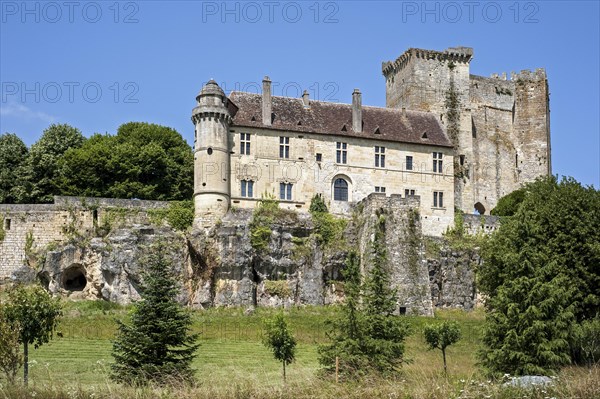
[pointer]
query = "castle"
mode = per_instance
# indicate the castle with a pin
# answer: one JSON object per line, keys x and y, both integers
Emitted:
{"x": 453, "y": 139}
{"x": 446, "y": 140}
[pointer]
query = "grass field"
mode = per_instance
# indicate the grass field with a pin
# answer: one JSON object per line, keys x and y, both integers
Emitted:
{"x": 232, "y": 362}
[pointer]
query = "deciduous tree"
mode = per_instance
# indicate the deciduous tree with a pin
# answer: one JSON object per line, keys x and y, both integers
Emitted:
{"x": 441, "y": 336}
{"x": 36, "y": 314}
{"x": 280, "y": 340}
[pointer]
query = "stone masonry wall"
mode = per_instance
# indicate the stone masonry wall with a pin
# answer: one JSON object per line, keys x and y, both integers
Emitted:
{"x": 502, "y": 137}
{"x": 31, "y": 228}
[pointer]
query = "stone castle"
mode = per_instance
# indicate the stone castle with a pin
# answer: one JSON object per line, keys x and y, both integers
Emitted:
{"x": 453, "y": 139}
{"x": 446, "y": 139}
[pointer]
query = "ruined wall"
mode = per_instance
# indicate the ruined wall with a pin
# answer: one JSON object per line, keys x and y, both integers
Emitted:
{"x": 510, "y": 128}
{"x": 31, "y": 228}
{"x": 404, "y": 241}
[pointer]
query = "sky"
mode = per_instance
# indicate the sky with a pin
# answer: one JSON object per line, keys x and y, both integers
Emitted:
{"x": 98, "y": 64}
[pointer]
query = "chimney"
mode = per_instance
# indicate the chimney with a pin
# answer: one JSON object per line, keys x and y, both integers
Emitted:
{"x": 356, "y": 111}
{"x": 267, "y": 106}
{"x": 305, "y": 99}
{"x": 404, "y": 112}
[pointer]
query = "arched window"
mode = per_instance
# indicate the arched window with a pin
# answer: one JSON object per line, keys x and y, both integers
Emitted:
{"x": 340, "y": 190}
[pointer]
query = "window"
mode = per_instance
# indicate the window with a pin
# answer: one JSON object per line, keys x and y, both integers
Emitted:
{"x": 247, "y": 188}
{"x": 437, "y": 162}
{"x": 7, "y": 224}
{"x": 379, "y": 157}
{"x": 409, "y": 162}
{"x": 438, "y": 199}
{"x": 245, "y": 143}
{"x": 285, "y": 191}
{"x": 340, "y": 190}
{"x": 379, "y": 189}
{"x": 284, "y": 147}
{"x": 319, "y": 157}
{"x": 341, "y": 154}
{"x": 409, "y": 193}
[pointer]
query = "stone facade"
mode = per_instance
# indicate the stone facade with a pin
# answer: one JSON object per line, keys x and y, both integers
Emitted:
{"x": 470, "y": 140}
{"x": 500, "y": 128}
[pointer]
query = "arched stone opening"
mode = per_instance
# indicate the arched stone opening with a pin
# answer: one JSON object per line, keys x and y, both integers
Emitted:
{"x": 341, "y": 188}
{"x": 479, "y": 208}
{"x": 73, "y": 278}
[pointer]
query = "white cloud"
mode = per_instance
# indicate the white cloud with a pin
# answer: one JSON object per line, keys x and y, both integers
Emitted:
{"x": 20, "y": 111}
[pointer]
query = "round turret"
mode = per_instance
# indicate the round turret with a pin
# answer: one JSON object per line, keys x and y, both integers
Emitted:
{"x": 211, "y": 155}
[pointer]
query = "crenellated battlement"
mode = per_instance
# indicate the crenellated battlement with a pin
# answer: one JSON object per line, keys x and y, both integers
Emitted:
{"x": 453, "y": 54}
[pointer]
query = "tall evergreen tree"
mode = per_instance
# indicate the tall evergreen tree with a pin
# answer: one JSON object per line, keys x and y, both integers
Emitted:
{"x": 156, "y": 346}
{"x": 385, "y": 331}
{"x": 540, "y": 275}
{"x": 347, "y": 331}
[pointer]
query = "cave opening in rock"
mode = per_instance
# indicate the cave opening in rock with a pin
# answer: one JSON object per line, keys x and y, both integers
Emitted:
{"x": 73, "y": 278}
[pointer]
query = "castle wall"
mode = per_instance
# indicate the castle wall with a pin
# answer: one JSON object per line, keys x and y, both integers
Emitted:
{"x": 30, "y": 228}
{"x": 510, "y": 134}
{"x": 438, "y": 82}
{"x": 409, "y": 273}
{"x": 502, "y": 136}
{"x": 309, "y": 177}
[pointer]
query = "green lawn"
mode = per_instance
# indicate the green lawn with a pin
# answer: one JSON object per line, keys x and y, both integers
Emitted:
{"x": 232, "y": 362}
{"x": 231, "y": 348}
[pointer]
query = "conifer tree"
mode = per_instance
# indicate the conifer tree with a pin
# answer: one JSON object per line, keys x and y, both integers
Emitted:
{"x": 156, "y": 346}
{"x": 347, "y": 330}
{"x": 385, "y": 331}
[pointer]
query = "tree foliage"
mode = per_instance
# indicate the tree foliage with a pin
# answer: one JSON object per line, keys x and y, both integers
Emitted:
{"x": 38, "y": 180}
{"x": 280, "y": 340}
{"x": 540, "y": 275}
{"x": 510, "y": 203}
{"x": 346, "y": 332}
{"x": 385, "y": 332}
{"x": 11, "y": 358}
{"x": 13, "y": 154}
{"x": 317, "y": 205}
{"x": 157, "y": 344}
{"x": 142, "y": 160}
{"x": 367, "y": 337}
{"x": 441, "y": 336}
{"x": 36, "y": 314}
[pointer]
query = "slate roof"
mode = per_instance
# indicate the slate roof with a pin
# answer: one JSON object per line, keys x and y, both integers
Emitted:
{"x": 330, "y": 118}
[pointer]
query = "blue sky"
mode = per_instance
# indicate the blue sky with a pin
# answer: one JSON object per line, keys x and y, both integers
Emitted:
{"x": 96, "y": 65}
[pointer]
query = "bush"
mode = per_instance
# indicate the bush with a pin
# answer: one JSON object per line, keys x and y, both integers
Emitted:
{"x": 179, "y": 215}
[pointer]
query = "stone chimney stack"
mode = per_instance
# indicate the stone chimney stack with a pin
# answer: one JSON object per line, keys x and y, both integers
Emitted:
{"x": 305, "y": 99}
{"x": 267, "y": 106}
{"x": 356, "y": 111}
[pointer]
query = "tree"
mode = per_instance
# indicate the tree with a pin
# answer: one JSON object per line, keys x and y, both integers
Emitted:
{"x": 347, "y": 331}
{"x": 11, "y": 358}
{"x": 509, "y": 204}
{"x": 540, "y": 276}
{"x": 441, "y": 336}
{"x": 280, "y": 340}
{"x": 142, "y": 160}
{"x": 157, "y": 344}
{"x": 40, "y": 172}
{"x": 36, "y": 315}
{"x": 367, "y": 336}
{"x": 385, "y": 331}
{"x": 13, "y": 154}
